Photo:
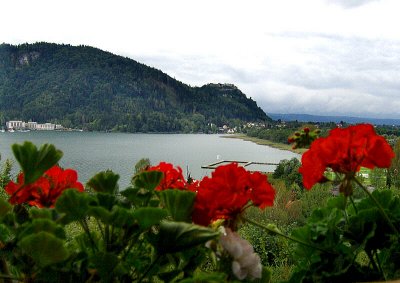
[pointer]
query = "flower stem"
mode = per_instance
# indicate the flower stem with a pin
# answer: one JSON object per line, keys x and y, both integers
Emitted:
{"x": 100, "y": 229}
{"x": 380, "y": 266}
{"x": 372, "y": 261}
{"x": 85, "y": 227}
{"x": 379, "y": 206}
{"x": 285, "y": 236}
{"x": 107, "y": 236}
{"x": 353, "y": 204}
{"x": 346, "y": 216}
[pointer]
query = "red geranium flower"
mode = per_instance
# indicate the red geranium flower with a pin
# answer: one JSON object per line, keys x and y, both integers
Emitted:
{"x": 45, "y": 190}
{"x": 228, "y": 191}
{"x": 262, "y": 194}
{"x": 173, "y": 177}
{"x": 345, "y": 151}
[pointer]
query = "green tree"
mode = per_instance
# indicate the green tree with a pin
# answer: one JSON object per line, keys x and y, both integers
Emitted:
{"x": 288, "y": 170}
{"x": 95, "y": 90}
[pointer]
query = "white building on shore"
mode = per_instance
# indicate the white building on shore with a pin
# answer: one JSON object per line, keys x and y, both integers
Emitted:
{"x": 31, "y": 125}
{"x": 45, "y": 127}
{"x": 15, "y": 125}
{"x": 21, "y": 125}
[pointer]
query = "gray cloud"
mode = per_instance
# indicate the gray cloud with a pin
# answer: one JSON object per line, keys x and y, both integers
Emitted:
{"x": 199, "y": 70}
{"x": 319, "y": 74}
{"x": 339, "y": 75}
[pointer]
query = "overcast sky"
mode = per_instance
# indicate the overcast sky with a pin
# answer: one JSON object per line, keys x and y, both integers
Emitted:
{"x": 325, "y": 57}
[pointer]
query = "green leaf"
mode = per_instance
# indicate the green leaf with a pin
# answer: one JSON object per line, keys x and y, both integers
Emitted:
{"x": 5, "y": 233}
{"x": 43, "y": 225}
{"x": 148, "y": 180}
{"x": 138, "y": 197}
{"x": 273, "y": 227}
{"x": 106, "y": 200}
{"x": 169, "y": 276}
{"x": 149, "y": 216}
{"x": 338, "y": 202}
{"x": 179, "y": 204}
{"x": 179, "y": 236}
{"x": 74, "y": 205}
{"x": 44, "y": 248}
{"x": 104, "y": 182}
{"x": 121, "y": 217}
{"x": 265, "y": 276}
{"x": 389, "y": 202}
{"x": 35, "y": 162}
{"x": 368, "y": 226}
{"x": 100, "y": 213}
{"x": 5, "y": 207}
{"x": 105, "y": 264}
{"x": 326, "y": 229}
{"x": 363, "y": 226}
{"x": 35, "y": 212}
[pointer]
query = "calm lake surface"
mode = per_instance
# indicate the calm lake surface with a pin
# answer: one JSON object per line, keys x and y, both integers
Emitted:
{"x": 91, "y": 152}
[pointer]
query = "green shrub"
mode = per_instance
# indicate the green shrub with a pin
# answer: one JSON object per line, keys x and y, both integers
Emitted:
{"x": 290, "y": 211}
{"x": 5, "y": 176}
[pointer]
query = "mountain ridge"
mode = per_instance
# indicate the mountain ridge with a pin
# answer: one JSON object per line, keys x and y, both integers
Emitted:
{"x": 84, "y": 86}
{"x": 335, "y": 119}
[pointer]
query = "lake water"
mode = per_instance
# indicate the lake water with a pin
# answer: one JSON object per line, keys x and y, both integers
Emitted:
{"x": 91, "y": 152}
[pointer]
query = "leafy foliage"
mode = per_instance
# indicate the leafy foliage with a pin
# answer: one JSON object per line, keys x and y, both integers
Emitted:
{"x": 143, "y": 234}
{"x": 345, "y": 235}
{"x": 146, "y": 234}
{"x": 288, "y": 170}
{"x": 34, "y": 162}
{"x": 5, "y": 174}
{"x": 289, "y": 212}
{"x": 275, "y": 135}
{"x": 129, "y": 234}
{"x": 393, "y": 176}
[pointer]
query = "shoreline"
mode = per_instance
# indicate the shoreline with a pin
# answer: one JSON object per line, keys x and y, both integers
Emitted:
{"x": 258, "y": 141}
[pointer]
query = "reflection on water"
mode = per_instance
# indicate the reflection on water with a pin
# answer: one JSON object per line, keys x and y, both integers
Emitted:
{"x": 91, "y": 152}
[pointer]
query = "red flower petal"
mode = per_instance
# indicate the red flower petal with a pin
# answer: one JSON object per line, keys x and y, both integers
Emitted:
{"x": 173, "y": 177}
{"x": 345, "y": 151}
{"x": 228, "y": 191}
{"x": 45, "y": 190}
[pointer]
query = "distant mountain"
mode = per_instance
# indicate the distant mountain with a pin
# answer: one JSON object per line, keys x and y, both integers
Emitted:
{"x": 335, "y": 119}
{"x": 87, "y": 87}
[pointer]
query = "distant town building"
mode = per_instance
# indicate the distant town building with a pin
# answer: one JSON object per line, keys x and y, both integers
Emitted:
{"x": 31, "y": 125}
{"x": 15, "y": 125}
{"x": 46, "y": 127}
{"x": 21, "y": 125}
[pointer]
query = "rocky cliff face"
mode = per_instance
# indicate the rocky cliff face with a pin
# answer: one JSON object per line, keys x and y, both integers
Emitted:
{"x": 25, "y": 59}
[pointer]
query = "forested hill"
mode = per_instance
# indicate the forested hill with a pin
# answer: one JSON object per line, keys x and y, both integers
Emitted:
{"x": 88, "y": 88}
